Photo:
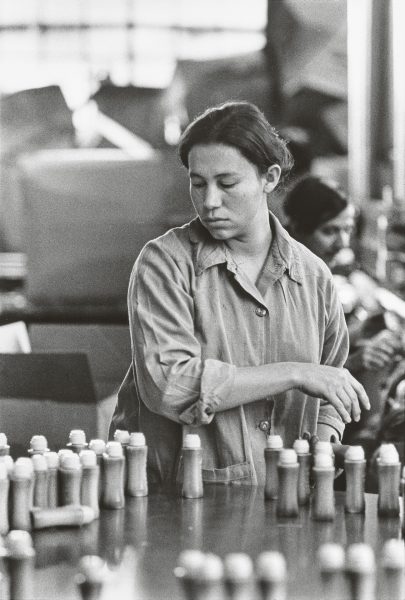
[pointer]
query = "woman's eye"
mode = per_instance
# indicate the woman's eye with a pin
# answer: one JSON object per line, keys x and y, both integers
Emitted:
{"x": 228, "y": 185}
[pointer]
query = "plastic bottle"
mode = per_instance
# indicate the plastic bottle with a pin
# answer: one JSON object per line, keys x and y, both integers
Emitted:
{"x": 331, "y": 559}
{"x": 288, "y": 467}
{"x": 40, "y": 498}
{"x": 90, "y": 476}
{"x": 271, "y": 575}
{"x": 323, "y": 500}
{"x": 192, "y": 467}
{"x": 91, "y": 577}
{"x": 4, "y": 447}
{"x": 274, "y": 445}
{"x": 98, "y": 446}
{"x": 301, "y": 447}
{"x": 70, "y": 515}
{"x": 4, "y": 491}
{"x": 393, "y": 565}
{"x": 113, "y": 470}
{"x": 52, "y": 461}
{"x": 238, "y": 576}
{"x": 360, "y": 572}
{"x": 20, "y": 495}
{"x": 20, "y": 562}
{"x": 137, "y": 452}
{"x": 355, "y": 469}
{"x": 388, "y": 472}
{"x": 70, "y": 476}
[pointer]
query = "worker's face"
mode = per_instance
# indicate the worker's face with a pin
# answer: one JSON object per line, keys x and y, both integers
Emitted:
{"x": 227, "y": 191}
{"x": 331, "y": 237}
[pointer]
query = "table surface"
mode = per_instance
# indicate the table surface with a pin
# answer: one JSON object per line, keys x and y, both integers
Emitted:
{"x": 141, "y": 542}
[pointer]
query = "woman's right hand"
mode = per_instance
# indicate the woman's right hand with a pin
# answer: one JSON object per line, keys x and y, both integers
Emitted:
{"x": 336, "y": 386}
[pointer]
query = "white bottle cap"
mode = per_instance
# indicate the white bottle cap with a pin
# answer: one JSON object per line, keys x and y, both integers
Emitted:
{"x": 271, "y": 566}
{"x": 39, "y": 443}
{"x": 192, "y": 440}
{"x": 88, "y": 458}
{"x": 288, "y": 456}
{"x": 323, "y": 447}
{"x": 355, "y": 453}
{"x": 70, "y": 461}
{"x": 3, "y": 440}
{"x": 301, "y": 446}
{"x": 64, "y": 451}
{"x": 238, "y": 566}
{"x": 190, "y": 563}
{"x": 274, "y": 442}
{"x": 137, "y": 439}
{"x": 114, "y": 449}
{"x": 97, "y": 445}
{"x": 388, "y": 454}
{"x": 22, "y": 470}
{"x": 25, "y": 463}
{"x": 19, "y": 544}
{"x": 393, "y": 554}
{"x": 122, "y": 436}
{"x": 323, "y": 461}
{"x": 360, "y": 559}
{"x": 3, "y": 471}
{"x": 8, "y": 461}
{"x": 52, "y": 460}
{"x": 212, "y": 568}
{"x": 77, "y": 437}
{"x": 93, "y": 568}
{"x": 331, "y": 557}
{"x": 39, "y": 462}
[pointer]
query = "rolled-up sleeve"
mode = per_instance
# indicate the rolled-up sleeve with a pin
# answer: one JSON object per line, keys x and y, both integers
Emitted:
{"x": 334, "y": 353}
{"x": 173, "y": 379}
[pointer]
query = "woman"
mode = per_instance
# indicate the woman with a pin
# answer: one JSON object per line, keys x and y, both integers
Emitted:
{"x": 321, "y": 218}
{"x": 236, "y": 329}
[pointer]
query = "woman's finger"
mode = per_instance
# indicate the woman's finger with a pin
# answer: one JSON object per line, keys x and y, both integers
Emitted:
{"x": 361, "y": 393}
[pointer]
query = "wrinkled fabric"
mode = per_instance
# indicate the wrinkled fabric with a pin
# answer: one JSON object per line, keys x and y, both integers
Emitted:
{"x": 194, "y": 317}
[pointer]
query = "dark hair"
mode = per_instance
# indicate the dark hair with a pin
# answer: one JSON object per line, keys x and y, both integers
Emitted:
{"x": 312, "y": 201}
{"x": 243, "y": 126}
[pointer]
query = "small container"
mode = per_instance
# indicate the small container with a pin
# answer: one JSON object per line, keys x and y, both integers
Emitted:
{"x": 8, "y": 462}
{"x": 301, "y": 447}
{"x": 4, "y": 491}
{"x": 113, "y": 471}
{"x": 21, "y": 495}
{"x": 199, "y": 574}
{"x": 122, "y": 436}
{"x": 331, "y": 559}
{"x": 271, "y": 575}
{"x": 238, "y": 576}
{"x": 52, "y": 461}
{"x": 98, "y": 446}
{"x": 288, "y": 467}
{"x": 360, "y": 572}
{"x": 323, "y": 500}
{"x": 38, "y": 445}
{"x": 388, "y": 473}
{"x": 192, "y": 467}
{"x": 393, "y": 565}
{"x": 137, "y": 452}
{"x": 20, "y": 563}
{"x": 274, "y": 445}
{"x": 403, "y": 501}
{"x": 72, "y": 515}
{"x": 90, "y": 476}
{"x": 40, "y": 481}
{"x": 70, "y": 478}
{"x": 77, "y": 441}
{"x": 355, "y": 469}
{"x": 91, "y": 577}
{"x": 4, "y": 447}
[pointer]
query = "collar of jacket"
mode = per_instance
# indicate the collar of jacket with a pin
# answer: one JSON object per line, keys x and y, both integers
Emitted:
{"x": 284, "y": 252}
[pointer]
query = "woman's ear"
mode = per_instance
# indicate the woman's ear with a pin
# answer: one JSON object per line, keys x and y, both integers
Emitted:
{"x": 272, "y": 178}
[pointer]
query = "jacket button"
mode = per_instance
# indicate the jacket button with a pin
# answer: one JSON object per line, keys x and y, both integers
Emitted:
{"x": 261, "y": 312}
{"x": 264, "y": 426}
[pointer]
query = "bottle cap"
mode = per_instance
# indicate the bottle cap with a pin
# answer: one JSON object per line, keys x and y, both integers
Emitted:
{"x": 355, "y": 453}
{"x": 301, "y": 446}
{"x": 393, "y": 554}
{"x": 39, "y": 462}
{"x": 114, "y": 449}
{"x": 3, "y": 471}
{"x": 190, "y": 563}
{"x": 137, "y": 439}
{"x": 88, "y": 514}
{"x": 271, "y": 566}
{"x": 3, "y": 440}
{"x": 212, "y": 568}
{"x": 93, "y": 569}
{"x": 19, "y": 544}
{"x": 77, "y": 437}
{"x": 323, "y": 461}
{"x": 238, "y": 566}
{"x": 323, "y": 447}
{"x": 23, "y": 468}
{"x": 88, "y": 458}
{"x": 70, "y": 461}
{"x": 98, "y": 446}
{"x": 274, "y": 442}
{"x": 192, "y": 440}
{"x": 8, "y": 461}
{"x": 388, "y": 454}
{"x": 360, "y": 559}
{"x": 331, "y": 557}
{"x": 64, "y": 451}
{"x": 52, "y": 460}
{"x": 39, "y": 443}
{"x": 122, "y": 436}
{"x": 288, "y": 456}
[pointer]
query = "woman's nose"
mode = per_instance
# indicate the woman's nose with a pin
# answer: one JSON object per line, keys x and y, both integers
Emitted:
{"x": 212, "y": 198}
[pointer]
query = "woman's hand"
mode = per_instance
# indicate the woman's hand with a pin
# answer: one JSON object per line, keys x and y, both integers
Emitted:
{"x": 336, "y": 386}
{"x": 377, "y": 352}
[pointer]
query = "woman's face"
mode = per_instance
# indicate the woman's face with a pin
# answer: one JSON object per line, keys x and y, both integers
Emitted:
{"x": 332, "y": 236}
{"x": 227, "y": 191}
